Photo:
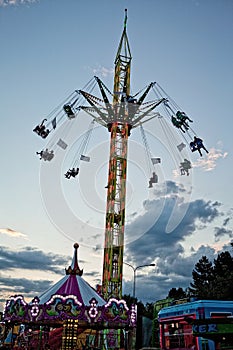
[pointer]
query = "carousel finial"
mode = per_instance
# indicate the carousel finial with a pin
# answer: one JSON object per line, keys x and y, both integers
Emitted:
{"x": 74, "y": 269}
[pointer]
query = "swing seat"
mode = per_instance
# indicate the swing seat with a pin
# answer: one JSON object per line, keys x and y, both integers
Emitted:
{"x": 47, "y": 155}
{"x": 41, "y": 131}
{"x": 74, "y": 172}
{"x": 44, "y": 133}
{"x": 70, "y": 114}
{"x": 50, "y": 156}
{"x": 154, "y": 178}
{"x": 37, "y": 129}
{"x": 193, "y": 147}
{"x": 186, "y": 164}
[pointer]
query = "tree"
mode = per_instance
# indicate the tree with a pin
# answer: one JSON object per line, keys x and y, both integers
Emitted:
{"x": 213, "y": 281}
{"x": 203, "y": 279}
{"x": 142, "y": 310}
{"x": 149, "y": 310}
{"x": 223, "y": 276}
{"x": 177, "y": 294}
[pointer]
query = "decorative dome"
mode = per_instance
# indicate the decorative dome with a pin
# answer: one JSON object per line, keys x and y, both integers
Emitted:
{"x": 73, "y": 284}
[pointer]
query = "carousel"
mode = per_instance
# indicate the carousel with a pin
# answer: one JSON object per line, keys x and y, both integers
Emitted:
{"x": 70, "y": 315}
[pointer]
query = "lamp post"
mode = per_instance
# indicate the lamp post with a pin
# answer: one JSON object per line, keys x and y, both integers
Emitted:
{"x": 135, "y": 268}
{"x": 132, "y": 340}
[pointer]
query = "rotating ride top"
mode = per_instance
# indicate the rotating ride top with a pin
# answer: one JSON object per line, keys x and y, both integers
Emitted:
{"x": 119, "y": 111}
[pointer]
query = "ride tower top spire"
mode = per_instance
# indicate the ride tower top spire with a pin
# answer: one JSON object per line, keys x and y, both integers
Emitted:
{"x": 122, "y": 67}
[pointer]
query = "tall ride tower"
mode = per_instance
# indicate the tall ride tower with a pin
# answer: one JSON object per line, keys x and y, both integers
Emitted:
{"x": 119, "y": 116}
{"x": 115, "y": 209}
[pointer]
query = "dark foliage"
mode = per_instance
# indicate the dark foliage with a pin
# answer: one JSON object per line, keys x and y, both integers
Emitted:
{"x": 213, "y": 280}
{"x": 177, "y": 294}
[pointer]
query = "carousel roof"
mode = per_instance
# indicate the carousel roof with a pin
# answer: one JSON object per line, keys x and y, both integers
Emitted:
{"x": 73, "y": 284}
{"x": 72, "y": 298}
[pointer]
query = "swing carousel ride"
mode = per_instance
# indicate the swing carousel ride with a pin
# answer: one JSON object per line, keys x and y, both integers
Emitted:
{"x": 120, "y": 112}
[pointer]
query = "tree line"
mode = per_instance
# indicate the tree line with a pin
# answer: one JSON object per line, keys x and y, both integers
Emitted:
{"x": 210, "y": 281}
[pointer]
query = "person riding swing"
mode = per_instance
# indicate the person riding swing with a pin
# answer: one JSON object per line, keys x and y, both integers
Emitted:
{"x": 178, "y": 124}
{"x": 182, "y": 117}
{"x": 185, "y": 166}
{"x": 197, "y": 144}
{"x": 41, "y": 129}
{"x": 72, "y": 172}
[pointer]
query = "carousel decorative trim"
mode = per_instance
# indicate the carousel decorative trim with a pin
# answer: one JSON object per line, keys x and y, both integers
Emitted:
{"x": 60, "y": 308}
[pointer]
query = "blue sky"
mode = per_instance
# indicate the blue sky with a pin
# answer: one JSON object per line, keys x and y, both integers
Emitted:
{"x": 49, "y": 49}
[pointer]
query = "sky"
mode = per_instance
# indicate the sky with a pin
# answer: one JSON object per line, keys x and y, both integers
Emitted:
{"x": 51, "y": 48}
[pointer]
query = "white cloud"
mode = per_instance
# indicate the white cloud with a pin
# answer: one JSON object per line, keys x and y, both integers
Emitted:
{"x": 103, "y": 71}
{"x": 12, "y": 233}
{"x": 4, "y": 3}
{"x": 209, "y": 162}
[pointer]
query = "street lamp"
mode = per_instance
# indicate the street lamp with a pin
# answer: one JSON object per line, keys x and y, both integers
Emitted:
{"x": 134, "y": 273}
{"x": 133, "y": 335}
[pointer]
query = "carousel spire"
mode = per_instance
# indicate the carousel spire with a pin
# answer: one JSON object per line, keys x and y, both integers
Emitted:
{"x": 74, "y": 269}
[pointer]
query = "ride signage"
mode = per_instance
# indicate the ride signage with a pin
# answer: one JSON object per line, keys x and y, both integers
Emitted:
{"x": 210, "y": 328}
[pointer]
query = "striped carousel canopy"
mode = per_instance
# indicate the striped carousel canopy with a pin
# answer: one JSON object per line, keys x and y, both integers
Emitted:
{"x": 73, "y": 284}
